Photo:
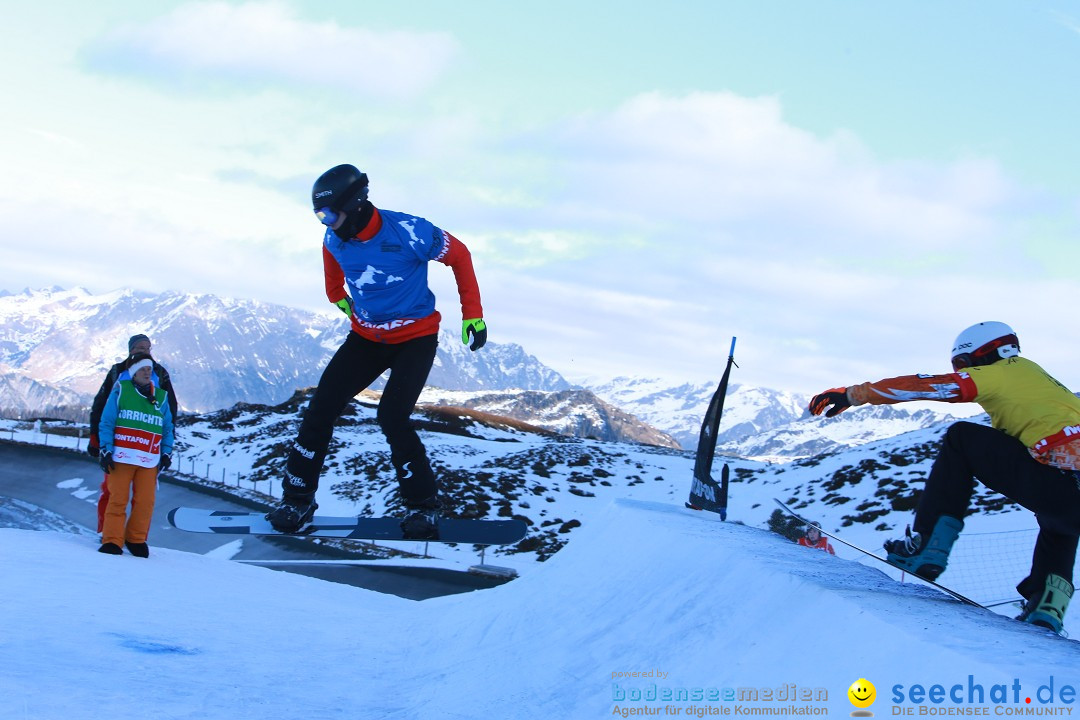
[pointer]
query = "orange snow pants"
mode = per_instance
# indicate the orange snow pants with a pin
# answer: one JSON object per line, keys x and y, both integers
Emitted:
{"x": 140, "y": 485}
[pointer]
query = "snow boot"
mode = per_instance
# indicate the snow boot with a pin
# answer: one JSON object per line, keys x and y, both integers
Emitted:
{"x": 925, "y": 557}
{"x": 292, "y": 513}
{"x": 141, "y": 550}
{"x": 422, "y": 520}
{"x": 1047, "y": 607}
{"x": 110, "y": 549}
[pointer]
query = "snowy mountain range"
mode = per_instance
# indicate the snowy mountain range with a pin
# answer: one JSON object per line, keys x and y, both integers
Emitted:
{"x": 219, "y": 351}
{"x": 678, "y": 410}
{"x": 758, "y": 422}
{"x": 56, "y": 346}
{"x": 576, "y": 412}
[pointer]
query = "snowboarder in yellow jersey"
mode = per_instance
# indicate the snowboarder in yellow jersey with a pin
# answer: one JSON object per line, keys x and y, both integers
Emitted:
{"x": 1031, "y": 454}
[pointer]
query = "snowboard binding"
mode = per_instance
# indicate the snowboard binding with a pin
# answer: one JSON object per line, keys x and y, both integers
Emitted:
{"x": 925, "y": 557}
{"x": 1047, "y": 607}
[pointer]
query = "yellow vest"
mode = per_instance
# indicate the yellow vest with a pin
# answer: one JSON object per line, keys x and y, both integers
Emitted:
{"x": 1023, "y": 400}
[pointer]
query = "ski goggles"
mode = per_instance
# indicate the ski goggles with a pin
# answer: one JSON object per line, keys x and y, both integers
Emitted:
{"x": 327, "y": 216}
{"x": 987, "y": 353}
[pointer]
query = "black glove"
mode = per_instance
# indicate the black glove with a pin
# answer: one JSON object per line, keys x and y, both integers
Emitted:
{"x": 166, "y": 462}
{"x": 106, "y": 462}
{"x": 836, "y": 397}
{"x": 474, "y": 333}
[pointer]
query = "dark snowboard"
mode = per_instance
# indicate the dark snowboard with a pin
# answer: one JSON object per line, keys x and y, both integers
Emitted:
{"x": 451, "y": 530}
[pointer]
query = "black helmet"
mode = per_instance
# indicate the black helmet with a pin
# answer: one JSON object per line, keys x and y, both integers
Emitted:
{"x": 339, "y": 187}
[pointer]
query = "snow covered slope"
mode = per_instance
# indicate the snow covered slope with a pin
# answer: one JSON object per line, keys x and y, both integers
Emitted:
{"x": 491, "y": 468}
{"x": 649, "y": 598}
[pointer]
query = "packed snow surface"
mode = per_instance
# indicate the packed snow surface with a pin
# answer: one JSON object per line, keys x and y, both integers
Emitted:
{"x": 651, "y": 609}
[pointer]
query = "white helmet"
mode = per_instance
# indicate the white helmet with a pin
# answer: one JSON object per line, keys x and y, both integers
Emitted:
{"x": 984, "y": 344}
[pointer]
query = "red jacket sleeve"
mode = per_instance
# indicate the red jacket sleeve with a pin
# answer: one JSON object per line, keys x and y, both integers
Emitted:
{"x": 458, "y": 257}
{"x": 333, "y": 276}
{"x": 953, "y": 387}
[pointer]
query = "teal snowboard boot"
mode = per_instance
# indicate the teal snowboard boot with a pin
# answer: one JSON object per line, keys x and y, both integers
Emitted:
{"x": 1047, "y": 608}
{"x": 925, "y": 557}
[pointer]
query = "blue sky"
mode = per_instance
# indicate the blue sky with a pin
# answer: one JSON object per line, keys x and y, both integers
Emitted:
{"x": 844, "y": 186}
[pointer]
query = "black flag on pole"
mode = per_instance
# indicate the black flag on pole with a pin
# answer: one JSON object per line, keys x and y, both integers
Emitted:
{"x": 706, "y": 493}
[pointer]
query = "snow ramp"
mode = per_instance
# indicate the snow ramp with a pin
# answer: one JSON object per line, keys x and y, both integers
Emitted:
{"x": 651, "y": 609}
{"x": 651, "y": 597}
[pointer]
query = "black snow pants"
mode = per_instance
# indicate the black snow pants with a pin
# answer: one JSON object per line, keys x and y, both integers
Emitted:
{"x": 1002, "y": 463}
{"x": 355, "y": 366}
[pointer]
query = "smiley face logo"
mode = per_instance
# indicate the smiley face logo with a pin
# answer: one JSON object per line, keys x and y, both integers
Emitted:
{"x": 862, "y": 693}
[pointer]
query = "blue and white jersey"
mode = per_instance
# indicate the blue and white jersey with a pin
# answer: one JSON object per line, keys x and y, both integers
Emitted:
{"x": 387, "y": 275}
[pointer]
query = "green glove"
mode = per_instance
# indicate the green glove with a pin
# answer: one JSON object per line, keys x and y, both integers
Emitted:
{"x": 477, "y": 329}
{"x": 345, "y": 305}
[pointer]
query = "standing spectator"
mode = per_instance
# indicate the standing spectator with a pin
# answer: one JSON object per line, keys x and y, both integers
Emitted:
{"x": 136, "y": 440}
{"x": 136, "y": 344}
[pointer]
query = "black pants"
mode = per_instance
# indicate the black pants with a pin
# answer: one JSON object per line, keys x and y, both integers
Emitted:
{"x": 357, "y": 364}
{"x": 1002, "y": 463}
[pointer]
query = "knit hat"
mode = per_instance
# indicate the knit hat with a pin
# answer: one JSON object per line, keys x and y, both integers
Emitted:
{"x": 139, "y": 366}
{"x": 139, "y": 361}
{"x": 134, "y": 339}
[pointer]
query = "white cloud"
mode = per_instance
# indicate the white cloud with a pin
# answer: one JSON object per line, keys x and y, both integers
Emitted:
{"x": 266, "y": 41}
{"x": 67, "y": 142}
{"x": 633, "y": 242}
{"x": 718, "y": 160}
{"x": 699, "y": 217}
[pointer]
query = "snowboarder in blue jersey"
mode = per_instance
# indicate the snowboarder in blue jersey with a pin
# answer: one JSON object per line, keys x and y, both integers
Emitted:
{"x": 375, "y": 269}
